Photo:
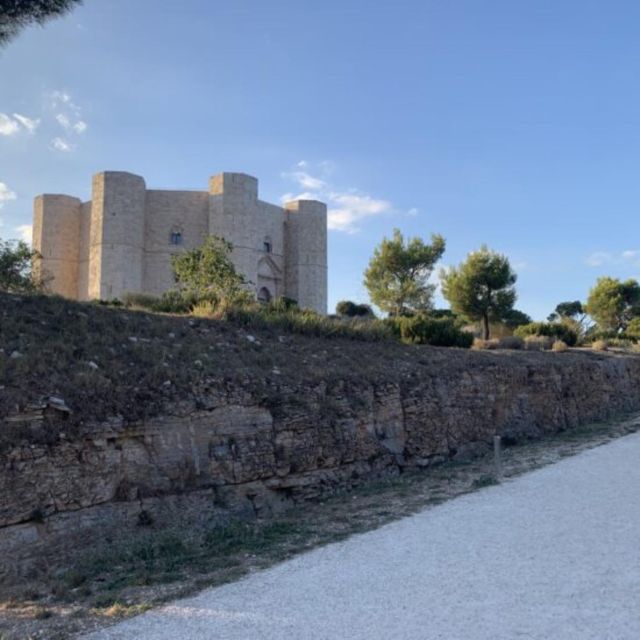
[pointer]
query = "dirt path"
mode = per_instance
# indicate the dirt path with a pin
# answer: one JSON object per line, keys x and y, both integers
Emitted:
{"x": 551, "y": 554}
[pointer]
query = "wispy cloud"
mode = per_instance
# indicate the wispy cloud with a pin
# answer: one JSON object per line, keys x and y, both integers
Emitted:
{"x": 60, "y": 144}
{"x": 347, "y": 208}
{"x": 6, "y": 194}
{"x": 68, "y": 115}
{"x": 8, "y": 126}
{"x": 601, "y": 258}
{"x": 16, "y": 123}
{"x": 25, "y": 232}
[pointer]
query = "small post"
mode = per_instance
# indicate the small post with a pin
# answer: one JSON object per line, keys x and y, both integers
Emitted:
{"x": 497, "y": 458}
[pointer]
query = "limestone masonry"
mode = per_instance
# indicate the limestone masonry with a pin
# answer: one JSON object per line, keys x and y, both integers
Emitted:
{"x": 121, "y": 241}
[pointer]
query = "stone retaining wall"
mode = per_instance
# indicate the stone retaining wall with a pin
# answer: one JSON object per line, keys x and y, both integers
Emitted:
{"x": 230, "y": 455}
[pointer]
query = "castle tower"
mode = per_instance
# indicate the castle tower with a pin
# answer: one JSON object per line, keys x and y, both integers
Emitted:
{"x": 117, "y": 235}
{"x": 306, "y": 253}
{"x": 56, "y": 237}
{"x": 233, "y": 209}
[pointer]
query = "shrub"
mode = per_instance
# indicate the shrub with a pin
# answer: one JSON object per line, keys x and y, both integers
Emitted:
{"x": 537, "y": 343}
{"x": 559, "y": 346}
{"x": 353, "y": 310}
{"x": 204, "y": 310}
{"x": 633, "y": 329}
{"x": 600, "y": 345}
{"x": 511, "y": 342}
{"x": 141, "y": 300}
{"x": 438, "y": 332}
{"x": 549, "y": 329}
{"x": 282, "y": 304}
{"x": 485, "y": 345}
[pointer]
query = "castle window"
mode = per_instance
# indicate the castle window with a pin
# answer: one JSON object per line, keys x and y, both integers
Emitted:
{"x": 175, "y": 238}
{"x": 267, "y": 246}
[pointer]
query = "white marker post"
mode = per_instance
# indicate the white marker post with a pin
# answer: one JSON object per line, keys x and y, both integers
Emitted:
{"x": 497, "y": 457}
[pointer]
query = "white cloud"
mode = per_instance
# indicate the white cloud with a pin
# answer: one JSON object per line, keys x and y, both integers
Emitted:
{"x": 414, "y": 211}
{"x": 63, "y": 121}
{"x": 25, "y": 231}
{"x": 69, "y": 116}
{"x": 304, "y": 180}
{"x": 8, "y": 126}
{"x": 27, "y": 123}
{"x": 600, "y": 258}
{"x": 60, "y": 144}
{"x": 6, "y": 194}
{"x": 346, "y": 208}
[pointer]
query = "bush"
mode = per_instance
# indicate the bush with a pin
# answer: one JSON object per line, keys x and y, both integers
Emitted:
{"x": 438, "y": 332}
{"x": 141, "y": 300}
{"x": 511, "y": 342}
{"x": 537, "y": 343}
{"x": 633, "y": 329}
{"x": 353, "y": 310}
{"x": 559, "y": 346}
{"x": 204, "y": 310}
{"x": 600, "y": 345}
{"x": 549, "y": 329}
{"x": 485, "y": 345}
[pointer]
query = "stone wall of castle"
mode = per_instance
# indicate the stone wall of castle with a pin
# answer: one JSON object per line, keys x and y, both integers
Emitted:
{"x": 122, "y": 240}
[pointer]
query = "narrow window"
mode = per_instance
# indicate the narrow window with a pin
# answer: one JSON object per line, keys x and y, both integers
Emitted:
{"x": 267, "y": 246}
{"x": 175, "y": 238}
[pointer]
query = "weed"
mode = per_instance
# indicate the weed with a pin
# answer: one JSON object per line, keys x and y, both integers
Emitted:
{"x": 484, "y": 480}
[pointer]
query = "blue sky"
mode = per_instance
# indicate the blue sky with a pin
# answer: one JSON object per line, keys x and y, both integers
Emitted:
{"x": 515, "y": 124}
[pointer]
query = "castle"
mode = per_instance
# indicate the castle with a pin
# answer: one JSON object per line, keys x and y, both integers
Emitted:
{"x": 122, "y": 240}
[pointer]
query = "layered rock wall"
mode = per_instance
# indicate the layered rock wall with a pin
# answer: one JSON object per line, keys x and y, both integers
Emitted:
{"x": 225, "y": 453}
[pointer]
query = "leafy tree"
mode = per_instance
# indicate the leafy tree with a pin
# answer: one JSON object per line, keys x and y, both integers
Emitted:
{"x": 397, "y": 275}
{"x": 207, "y": 273}
{"x": 481, "y": 288}
{"x": 516, "y": 318}
{"x": 613, "y": 304}
{"x": 353, "y": 310}
{"x": 15, "y": 15}
{"x": 633, "y": 329}
{"x": 16, "y": 260}
{"x": 572, "y": 314}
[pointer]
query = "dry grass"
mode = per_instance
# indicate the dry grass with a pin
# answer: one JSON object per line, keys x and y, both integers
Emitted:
{"x": 479, "y": 344}
{"x": 600, "y": 345}
{"x": 559, "y": 346}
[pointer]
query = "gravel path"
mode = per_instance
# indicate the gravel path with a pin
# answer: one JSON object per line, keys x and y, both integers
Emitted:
{"x": 554, "y": 554}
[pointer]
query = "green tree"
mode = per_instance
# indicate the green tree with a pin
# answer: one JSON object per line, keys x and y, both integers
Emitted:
{"x": 612, "y": 303}
{"x": 481, "y": 288}
{"x": 15, "y": 15}
{"x": 572, "y": 314}
{"x": 516, "y": 318}
{"x": 397, "y": 275}
{"x": 633, "y": 329}
{"x": 16, "y": 259}
{"x": 207, "y": 273}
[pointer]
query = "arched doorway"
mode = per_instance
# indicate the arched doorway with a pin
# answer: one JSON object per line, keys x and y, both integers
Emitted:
{"x": 264, "y": 295}
{"x": 269, "y": 279}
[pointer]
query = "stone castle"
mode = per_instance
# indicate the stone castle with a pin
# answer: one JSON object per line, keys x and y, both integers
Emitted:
{"x": 121, "y": 241}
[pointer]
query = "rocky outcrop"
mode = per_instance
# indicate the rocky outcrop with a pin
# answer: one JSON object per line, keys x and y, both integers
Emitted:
{"x": 226, "y": 452}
